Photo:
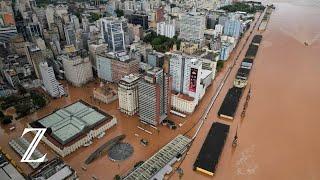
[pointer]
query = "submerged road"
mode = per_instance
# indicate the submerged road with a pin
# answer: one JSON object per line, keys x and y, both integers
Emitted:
{"x": 246, "y": 40}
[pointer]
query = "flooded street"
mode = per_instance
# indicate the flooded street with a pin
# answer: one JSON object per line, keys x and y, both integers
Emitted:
{"x": 278, "y": 138}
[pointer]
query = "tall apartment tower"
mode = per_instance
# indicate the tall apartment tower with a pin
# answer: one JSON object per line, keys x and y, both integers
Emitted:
{"x": 70, "y": 34}
{"x": 35, "y": 56}
{"x": 113, "y": 32}
{"x": 192, "y": 78}
{"x": 176, "y": 70}
{"x": 154, "y": 96}
{"x": 186, "y": 75}
{"x": 192, "y": 26}
{"x": 232, "y": 28}
{"x": 78, "y": 70}
{"x": 128, "y": 94}
{"x": 50, "y": 83}
{"x": 112, "y": 67}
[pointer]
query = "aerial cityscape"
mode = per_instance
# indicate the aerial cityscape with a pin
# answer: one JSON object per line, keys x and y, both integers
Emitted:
{"x": 159, "y": 89}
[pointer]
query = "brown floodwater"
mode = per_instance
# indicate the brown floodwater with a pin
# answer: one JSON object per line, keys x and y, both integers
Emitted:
{"x": 278, "y": 138}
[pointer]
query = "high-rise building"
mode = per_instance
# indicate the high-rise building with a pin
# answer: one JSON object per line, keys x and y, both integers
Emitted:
{"x": 50, "y": 15}
{"x": 103, "y": 65}
{"x": 192, "y": 78}
{"x": 77, "y": 69}
{"x": 33, "y": 30}
{"x": 70, "y": 34}
{"x": 160, "y": 14}
{"x": 211, "y": 21}
{"x": 232, "y": 28}
{"x": 226, "y": 49}
{"x": 176, "y": 70}
{"x": 122, "y": 66}
{"x": 154, "y": 96}
{"x": 140, "y": 18}
{"x": 113, "y": 32}
{"x": 35, "y": 56}
{"x": 128, "y": 94}
{"x": 50, "y": 83}
{"x": 94, "y": 50}
{"x": 186, "y": 74}
{"x": 192, "y": 26}
{"x": 155, "y": 59}
{"x": 6, "y": 33}
{"x": 135, "y": 33}
{"x": 112, "y": 67}
{"x": 166, "y": 29}
{"x": 75, "y": 21}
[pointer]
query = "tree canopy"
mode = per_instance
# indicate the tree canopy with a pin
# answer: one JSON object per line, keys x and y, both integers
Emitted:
{"x": 161, "y": 43}
{"x": 244, "y": 7}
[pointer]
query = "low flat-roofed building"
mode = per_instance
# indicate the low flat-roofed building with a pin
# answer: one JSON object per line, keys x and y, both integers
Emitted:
{"x": 160, "y": 163}
{"x": 54, "y": 169}
{"x": 7, "y": 169}
{"x": 183, "y": 103}
{"x": 73, "y": 126}
{"x": 105, "y": 93}
{"x": 20, "y": 146}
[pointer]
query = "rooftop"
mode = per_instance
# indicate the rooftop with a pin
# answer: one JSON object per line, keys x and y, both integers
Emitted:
{"x": 184, "y": 96}
{"x": 7, "y": 170}
{"x": 158, "y": 161}
{"x": 54, "y": 169}
{"x": 129, "y": 79}
{"x": 205, "y": 73}
{"x": 71, "y": 121}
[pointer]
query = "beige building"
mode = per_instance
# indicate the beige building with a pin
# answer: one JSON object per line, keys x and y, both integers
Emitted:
{"x": 128, "y": 94}
{"x": 78, "y": 70}
{"x": 94, "y": 50}
{"x": 183, "y": 103}
{"x": 105, "y": 93}
{"x": 189, "y": 47}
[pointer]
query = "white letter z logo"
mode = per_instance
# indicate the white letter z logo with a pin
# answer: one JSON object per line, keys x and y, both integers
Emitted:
{"x": 33, "y": 145}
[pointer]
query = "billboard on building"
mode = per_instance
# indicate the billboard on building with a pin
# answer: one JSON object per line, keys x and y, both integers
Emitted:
{"x": 193, "y": 80}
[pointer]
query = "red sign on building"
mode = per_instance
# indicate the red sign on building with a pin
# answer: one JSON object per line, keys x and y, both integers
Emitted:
{"x": 193, "y": 80}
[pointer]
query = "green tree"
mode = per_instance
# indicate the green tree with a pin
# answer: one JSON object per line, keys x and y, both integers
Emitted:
{"x": 119, "y": 12}
{"x": 117, "y": 177}
{"x": 38, "y": 100}
{"x": 1, "y": 115}
{"x": 220, "y": 64}
{"x": 94, "y": 17}
{"x": 6, "y": 120}
{"x": 23, "y": 109}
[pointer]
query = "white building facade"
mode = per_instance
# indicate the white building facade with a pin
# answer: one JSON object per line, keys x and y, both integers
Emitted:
{"x": 166, "y": 29}
{"x": 78, "y": 71}
{"x": 192, "y": 27}
{"x": 128, "y": 94}
{"x": 50, "y": 83}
